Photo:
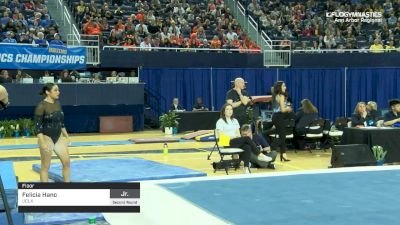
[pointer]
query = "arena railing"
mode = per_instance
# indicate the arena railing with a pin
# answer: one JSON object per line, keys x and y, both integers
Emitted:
{"x": 279, "y": 54}
{"x": 129, "y": 48}
{"x": 298, "y": 51}
{"x": 67, "y": 20}
{"x": 90, "y": 42}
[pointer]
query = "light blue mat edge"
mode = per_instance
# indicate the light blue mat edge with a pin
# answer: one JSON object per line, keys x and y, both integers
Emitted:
{"x": 77, "y": 144}
{"x": 74, "y": 144}
{"x": 193, "y": 173}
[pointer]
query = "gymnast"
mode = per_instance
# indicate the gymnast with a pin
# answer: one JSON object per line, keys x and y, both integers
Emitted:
{"x": 49, "y": 124}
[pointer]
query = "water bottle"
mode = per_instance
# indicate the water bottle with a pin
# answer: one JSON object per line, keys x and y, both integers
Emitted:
{"x": 165, "y": 149}
{"x": 92, "y": 221}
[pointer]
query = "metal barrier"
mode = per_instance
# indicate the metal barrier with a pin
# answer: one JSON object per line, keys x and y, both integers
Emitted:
{"x": 67, "y": 20}
{"x": 249, "y": 24}
{"x": 338, "y": 51}
{"x": 279, "y": 55}
{"x": 91, "y": 43}
{"x": 131, "y": 48}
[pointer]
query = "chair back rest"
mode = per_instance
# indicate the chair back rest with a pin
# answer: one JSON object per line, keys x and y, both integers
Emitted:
{"x": 316, "y": 126}
{"x": 341, "y": 123}
{"x": 290, "y": 126}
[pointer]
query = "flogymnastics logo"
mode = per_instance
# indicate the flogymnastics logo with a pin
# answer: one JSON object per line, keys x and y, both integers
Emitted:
{"x": 356, "y": 17}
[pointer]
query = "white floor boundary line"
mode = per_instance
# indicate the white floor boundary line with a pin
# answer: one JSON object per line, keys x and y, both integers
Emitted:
{"x": 278, "y": 174}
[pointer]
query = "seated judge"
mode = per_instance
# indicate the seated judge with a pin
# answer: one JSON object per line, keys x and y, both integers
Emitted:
{"x": 3, "y": 98}
{"x": 392, "y": 118}
{"x": 360, "y": 118}
{"x": 304, "y": 116}
{"x": 199, "y": 105}
{"x": 175, "y": 106}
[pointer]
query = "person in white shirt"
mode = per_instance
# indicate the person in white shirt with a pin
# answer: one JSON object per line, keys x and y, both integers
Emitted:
{"x": 230, "y": 35}
{"x": 229, "y": 126}
{"x": 146, "y": 44}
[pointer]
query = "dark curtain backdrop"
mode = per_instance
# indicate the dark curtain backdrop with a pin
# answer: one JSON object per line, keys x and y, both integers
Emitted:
{"x": 259, "y": 82}
{"x": 185, "y": 84}
{"x": 333, "y": 91}
{"x": 324, "y": 87}
{"x": 372, "y": 84}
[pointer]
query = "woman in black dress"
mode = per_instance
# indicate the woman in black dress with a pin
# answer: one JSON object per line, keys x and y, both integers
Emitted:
{"x": 49, "y": 122}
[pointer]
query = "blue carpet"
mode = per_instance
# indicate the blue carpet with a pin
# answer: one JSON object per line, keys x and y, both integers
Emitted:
{"x": 59, "y": 218}
{"x": 74, "y": 144}
{"x": 119, "y": 170}
{"x": 367, "y": 198}
{"x": 9, "y": 182}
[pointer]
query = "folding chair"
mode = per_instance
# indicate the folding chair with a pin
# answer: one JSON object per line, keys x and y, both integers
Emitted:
{"x": 225, "y": 151}
{"x": 335, "y": 131}
{"x": 314, "y": 131}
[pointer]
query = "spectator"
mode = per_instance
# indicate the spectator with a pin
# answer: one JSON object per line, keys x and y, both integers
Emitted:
{"x": 308, "y": 31}
{"x": 92, "y": 28}
{"x": 4, "y": 77}
{"x": 56, "y": 40}
{"x": 376, "y": 47}
{"x": 65, "y": 77}
{"x": 40, "y": 40}
{"x": 390, "y": 47}
{"x": 24, "y": 39}
{"x": 21, "y": 75}
{"x": 146, "y": 44}
{"x": 9, "y": 38}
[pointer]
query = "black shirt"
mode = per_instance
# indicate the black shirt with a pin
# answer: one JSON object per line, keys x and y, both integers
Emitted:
{"x": 239, "y": 111}
{"x": 391, "y": 116}
{"x": 199, "y": 107}
{"x": 356, "y": 120}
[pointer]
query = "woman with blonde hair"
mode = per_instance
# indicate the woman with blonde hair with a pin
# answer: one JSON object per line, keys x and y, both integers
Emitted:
{"x": 360, "y": 118}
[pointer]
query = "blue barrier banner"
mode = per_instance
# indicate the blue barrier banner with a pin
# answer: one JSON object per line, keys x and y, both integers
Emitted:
{"x": 42, "y": 58}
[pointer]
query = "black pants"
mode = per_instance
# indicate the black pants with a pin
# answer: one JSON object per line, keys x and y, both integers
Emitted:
{"x": 281, "y": 122}
{"x": 248, "y": 147}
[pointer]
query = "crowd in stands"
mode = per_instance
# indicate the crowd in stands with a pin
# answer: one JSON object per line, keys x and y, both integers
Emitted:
{"x": 305, "y": 23}
{"x": 28, "y": 22}
{"x": 162, "y": 23}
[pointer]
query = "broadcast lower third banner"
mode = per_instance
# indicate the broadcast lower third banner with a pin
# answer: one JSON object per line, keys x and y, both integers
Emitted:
{"x": 42, "y": 58}
{"x": 78, "y": 197}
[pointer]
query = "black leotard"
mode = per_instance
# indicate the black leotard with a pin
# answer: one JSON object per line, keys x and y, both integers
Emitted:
{"x": 49, "y": 119}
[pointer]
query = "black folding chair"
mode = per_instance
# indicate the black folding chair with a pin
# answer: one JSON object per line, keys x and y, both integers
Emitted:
{"x": 223, "y": 152}
{"x": 315, "y": 131}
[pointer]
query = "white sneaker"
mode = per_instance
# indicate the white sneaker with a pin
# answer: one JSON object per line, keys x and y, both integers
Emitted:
{"x": 264, "y": 158}
{"x": 246, "y": 170}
